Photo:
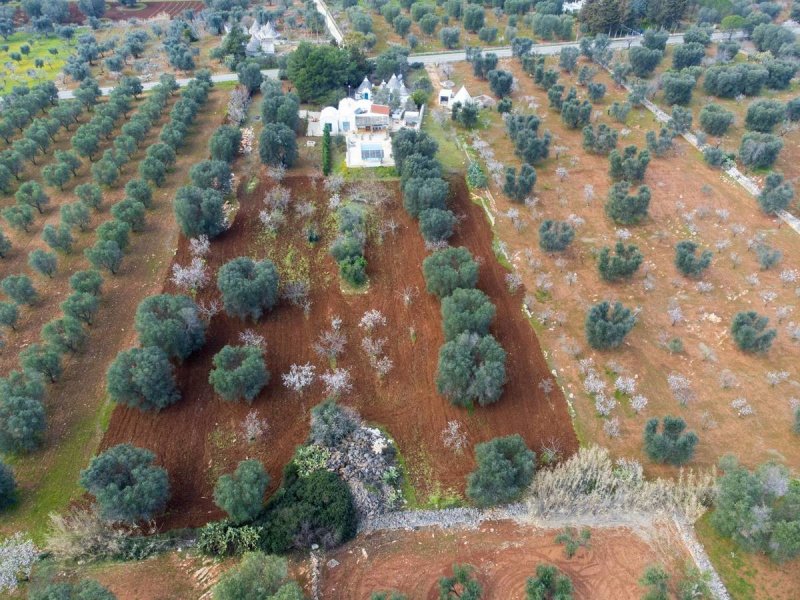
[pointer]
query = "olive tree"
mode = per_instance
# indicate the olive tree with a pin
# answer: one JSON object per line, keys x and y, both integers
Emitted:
{"x": 126, "y": 484}
{"x": 224, "y": 143}
{"x": 749, "y": 331}
{"x": 19, "y": 288}
{"x": 776, "y": 195}
{"x": 625, "y": 261}
{"x": 505, "y": 468}
{"x": 170, "y": 322}
{"x": 249, "y": 288}
{"x": 200, "y": 211}
{"x": 607, "y": 325}
{"x": 277, "y": 145}
{"x": 436, "y": 225}
{"x": 89, "y": 281}
{"x": 258, "y": 576}
{"x": 241, "y": 493}
{"x": 555, "y": 236}
{"x": 142, "y": 378}
{"x": 239, "y": 373}
{"x": 715, "y": 120}
{"x": 759, "y": 150}
{"x": 625, "y": 208}
{"x": 517, "y": 187}
{"x": 43, "y": 262}
{"x": 466, "y": 310}
{"x": 64, "y": 335}
{"x": 472, "y": 368}
{"x": 764, "y": 114}
{"x": 687, "y": 260}
{"x": 449, "y": 269}
{"x": 673, "y": 445}
{"x": 22, "y": 424}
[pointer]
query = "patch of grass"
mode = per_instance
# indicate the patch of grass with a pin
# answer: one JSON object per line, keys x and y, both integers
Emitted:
{"x": 450, "y": 155}
{"x": 60, "y": 484}
{"x": 39, "y": 49}
{"x": 730, "y": 561}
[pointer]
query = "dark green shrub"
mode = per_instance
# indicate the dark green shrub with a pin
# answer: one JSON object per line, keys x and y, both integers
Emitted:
{"x": 8, "y": 486}
{"x": 316, "y": 509}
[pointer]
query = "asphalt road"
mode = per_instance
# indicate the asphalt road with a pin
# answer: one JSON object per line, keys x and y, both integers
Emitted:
{"x": 459, "y": 55}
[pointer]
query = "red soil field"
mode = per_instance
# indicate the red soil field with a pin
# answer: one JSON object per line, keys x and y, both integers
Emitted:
{"x": 504, "y": 555}
{"x": 151, "y": 9}
{"x": 200, "y": 437}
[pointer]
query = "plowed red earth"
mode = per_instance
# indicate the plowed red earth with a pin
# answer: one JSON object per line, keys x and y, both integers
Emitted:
{"x": 504, "y": 555}
{"x": 151, "y": 9}
{"x": 200, "y": 437}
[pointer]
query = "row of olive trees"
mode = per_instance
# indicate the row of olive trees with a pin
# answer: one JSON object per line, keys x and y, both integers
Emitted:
{"x": 471, "y": 362}
{"x": 23, "y": 428}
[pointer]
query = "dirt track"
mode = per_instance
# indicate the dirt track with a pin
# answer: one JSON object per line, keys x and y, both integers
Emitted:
{"x": 200, "y": 437}
{"x": 505, "y": 555}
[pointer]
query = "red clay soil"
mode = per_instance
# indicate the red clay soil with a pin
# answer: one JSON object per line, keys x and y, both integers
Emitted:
{"x": 200, "y": 437}
{"x": 504, "y": 555}
{"x": 151, "y": 9}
